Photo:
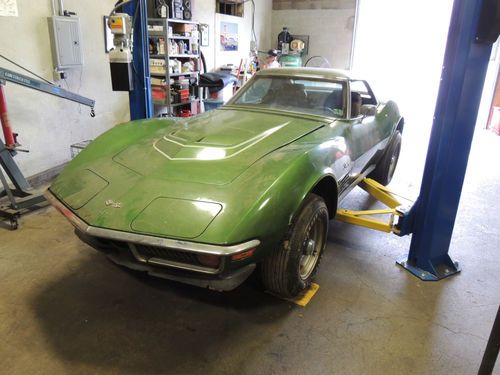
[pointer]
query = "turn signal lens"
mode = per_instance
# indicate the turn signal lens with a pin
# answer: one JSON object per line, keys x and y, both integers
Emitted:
{"x": 209, "y": 260}
{"x": 244, "y": 255}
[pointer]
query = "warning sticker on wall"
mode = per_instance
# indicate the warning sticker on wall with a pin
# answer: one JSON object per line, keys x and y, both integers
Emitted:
{"x": 8, "y": 8}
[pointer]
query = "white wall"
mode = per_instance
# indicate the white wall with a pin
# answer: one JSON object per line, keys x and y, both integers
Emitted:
{"x": 329, "y": 25}
{"x": 204, "y": 12}
{"x": 48, "y": 125}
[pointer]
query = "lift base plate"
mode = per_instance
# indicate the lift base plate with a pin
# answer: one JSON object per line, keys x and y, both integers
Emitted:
{"x": 442, "y": 272}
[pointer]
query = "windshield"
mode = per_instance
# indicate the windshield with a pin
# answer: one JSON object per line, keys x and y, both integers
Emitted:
{"x": 318, "y": 97}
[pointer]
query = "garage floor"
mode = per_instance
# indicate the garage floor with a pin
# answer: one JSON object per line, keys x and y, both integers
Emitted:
{"x": 65, "y": 309}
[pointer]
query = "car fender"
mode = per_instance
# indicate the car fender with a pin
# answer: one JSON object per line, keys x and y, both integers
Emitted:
{"x": 275, "y": 205}
{"x": 391, "y": 112}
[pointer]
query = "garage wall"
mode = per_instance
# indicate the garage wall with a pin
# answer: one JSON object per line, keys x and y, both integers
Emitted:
{"x": 204, "y": 12}
{"x": 329, "y": 24}
{"x": 47, "y": 126}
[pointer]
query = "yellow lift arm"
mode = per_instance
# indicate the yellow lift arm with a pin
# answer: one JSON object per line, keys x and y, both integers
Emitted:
{"x": 362, "y": 218}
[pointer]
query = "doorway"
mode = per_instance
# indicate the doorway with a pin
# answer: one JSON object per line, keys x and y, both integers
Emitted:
{"x": 399, "y": 48}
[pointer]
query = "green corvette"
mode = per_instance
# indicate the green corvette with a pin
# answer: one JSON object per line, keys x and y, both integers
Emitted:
{"x": 205, "y": 200}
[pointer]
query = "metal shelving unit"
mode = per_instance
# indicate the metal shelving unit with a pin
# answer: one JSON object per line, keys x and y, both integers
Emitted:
{"x": 175, "y": 74}
{"x": 173, "y": 25}
{"x": 162, "y": 103}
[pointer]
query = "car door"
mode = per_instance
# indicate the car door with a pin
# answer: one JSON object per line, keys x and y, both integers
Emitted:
{"x": 364, "y": 135}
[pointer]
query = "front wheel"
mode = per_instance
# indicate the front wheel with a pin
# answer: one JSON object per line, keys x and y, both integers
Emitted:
{"x": 291, "y": 268}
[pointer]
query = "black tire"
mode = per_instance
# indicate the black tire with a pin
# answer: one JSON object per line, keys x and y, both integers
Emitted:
{"x": 387, "y": 165}
{"x": 291, "y": 268}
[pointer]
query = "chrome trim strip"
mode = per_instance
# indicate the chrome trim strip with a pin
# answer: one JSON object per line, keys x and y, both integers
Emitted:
{"x": 136, "y": 254}
{"x": 144, "y": 239}
{"x": 171, "y": 263}
{"x": 357, "y": 180}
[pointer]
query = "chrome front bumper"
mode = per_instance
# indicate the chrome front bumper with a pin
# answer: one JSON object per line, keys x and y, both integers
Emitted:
{"x": 134, "y": 239}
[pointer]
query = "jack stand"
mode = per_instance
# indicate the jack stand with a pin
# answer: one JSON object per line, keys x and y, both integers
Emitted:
{"x": 22, "y": 198}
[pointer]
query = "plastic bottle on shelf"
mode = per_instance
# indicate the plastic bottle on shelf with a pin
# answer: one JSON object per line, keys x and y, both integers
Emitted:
{"x": 187, "y": 67}
{"x": 172, "y": 65}
{"x": 179, "y": 65}
{"x": 194, "y": 48}
{"x": 182, "y": 47}
{"x": 161, "y": 46}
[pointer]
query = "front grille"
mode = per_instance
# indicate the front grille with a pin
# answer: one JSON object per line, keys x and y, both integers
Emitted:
{"x": 171, "y": 257}
{"x": 167, "y": 254}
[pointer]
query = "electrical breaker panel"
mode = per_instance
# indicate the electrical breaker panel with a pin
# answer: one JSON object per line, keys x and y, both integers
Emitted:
{"x": 65, "y": 39}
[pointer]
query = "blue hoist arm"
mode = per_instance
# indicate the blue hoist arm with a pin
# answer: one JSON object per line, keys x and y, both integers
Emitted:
{"x": 23, "y": 80}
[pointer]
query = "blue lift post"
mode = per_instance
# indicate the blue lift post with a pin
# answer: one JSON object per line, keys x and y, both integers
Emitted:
{"x": 473, "y": 29}
{"x": 140, "y": 101}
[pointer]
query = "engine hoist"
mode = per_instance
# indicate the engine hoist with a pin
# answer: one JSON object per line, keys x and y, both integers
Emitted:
{"x": 22, "y": 197}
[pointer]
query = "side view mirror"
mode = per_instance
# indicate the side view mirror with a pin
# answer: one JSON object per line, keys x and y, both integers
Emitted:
{"x": 368, "y": 110}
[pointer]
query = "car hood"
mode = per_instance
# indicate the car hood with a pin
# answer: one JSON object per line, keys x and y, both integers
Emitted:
{"x": 214, "y": 148}
{"x": 173, "y": 178}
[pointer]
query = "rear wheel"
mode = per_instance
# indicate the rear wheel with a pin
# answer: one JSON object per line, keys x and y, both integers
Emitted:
{"x": 387, "y": 165}
{"x": 292, "y": 267}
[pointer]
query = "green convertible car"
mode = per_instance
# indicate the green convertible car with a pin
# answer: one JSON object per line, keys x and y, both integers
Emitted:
{"x": 206, "y": 200}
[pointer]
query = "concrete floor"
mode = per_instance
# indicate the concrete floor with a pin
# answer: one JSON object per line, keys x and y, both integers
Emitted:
{"x": 65, "y": 309}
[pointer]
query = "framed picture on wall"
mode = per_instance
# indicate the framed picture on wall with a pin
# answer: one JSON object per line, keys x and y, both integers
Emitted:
{"x": 204, "y": 37}
{"x": 228, "y": 36}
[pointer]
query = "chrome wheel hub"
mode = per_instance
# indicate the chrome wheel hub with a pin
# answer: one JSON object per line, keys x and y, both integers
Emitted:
{"x": 392, "y": 165}
{"x": 310, "y": 247}
{"x": 311, "y": 250}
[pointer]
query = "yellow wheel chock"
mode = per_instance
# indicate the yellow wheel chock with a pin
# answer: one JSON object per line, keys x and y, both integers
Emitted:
{"x": 382, "y": 194}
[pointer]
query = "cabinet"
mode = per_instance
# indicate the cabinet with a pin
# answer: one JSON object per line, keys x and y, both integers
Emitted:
{"x": 174, "y": 63}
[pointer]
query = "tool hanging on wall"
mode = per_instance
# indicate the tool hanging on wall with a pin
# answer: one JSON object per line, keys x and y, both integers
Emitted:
{"x": 23, "y": 198}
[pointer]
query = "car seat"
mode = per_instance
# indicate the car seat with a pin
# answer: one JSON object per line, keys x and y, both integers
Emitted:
{"x": 292, "y": 95}
{"x": 334, "y": 101}
{"x": 355, "y": 104}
